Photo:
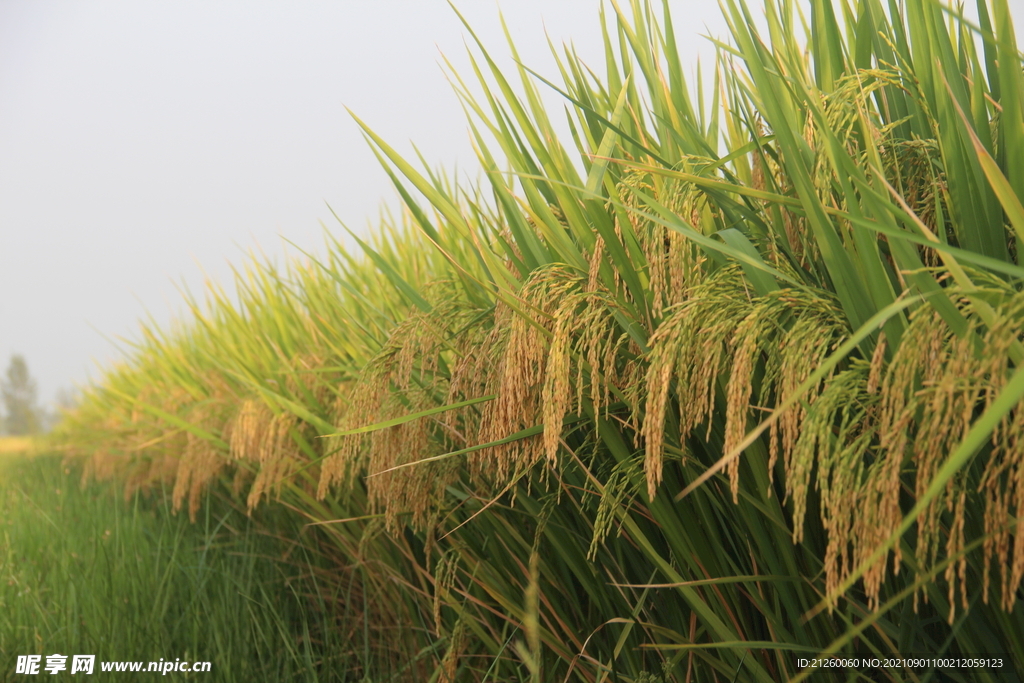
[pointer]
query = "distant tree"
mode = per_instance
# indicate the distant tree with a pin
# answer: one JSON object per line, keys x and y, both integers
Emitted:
{"x": 18, "y": 391}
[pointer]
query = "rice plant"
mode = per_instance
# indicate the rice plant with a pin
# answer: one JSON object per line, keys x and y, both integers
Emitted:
{"x": 730, "y": 378}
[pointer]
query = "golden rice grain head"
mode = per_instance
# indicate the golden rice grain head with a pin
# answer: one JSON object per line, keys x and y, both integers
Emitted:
{"x": 200, "y": 464}
{"x": 278, "y": 456}
{"x": 249, "y": 430}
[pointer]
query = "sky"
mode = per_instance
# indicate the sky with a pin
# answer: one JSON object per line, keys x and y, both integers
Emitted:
{"x": 145, "y": 146}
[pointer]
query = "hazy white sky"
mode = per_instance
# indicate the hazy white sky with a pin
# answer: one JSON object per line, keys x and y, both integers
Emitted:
{"x": 142, "y": 139}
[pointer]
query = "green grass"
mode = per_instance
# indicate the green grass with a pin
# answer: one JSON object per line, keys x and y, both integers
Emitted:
{"x": 83, "y": 572}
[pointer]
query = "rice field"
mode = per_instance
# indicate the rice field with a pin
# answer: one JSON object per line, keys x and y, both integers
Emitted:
{"x": 727, "y": 379}
{"x": 11, "y": 445}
